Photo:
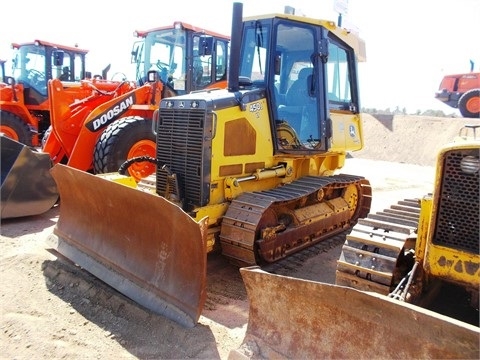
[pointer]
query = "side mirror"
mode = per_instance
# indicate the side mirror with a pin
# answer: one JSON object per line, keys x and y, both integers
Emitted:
{"x": 135, "y": 52}
{"x": 58, "y": 57}
{"x": 10, "y": 80}
{"x": 152, "y": 76}
{"x": 205, "y": 46}
{"x": 105, "y": 71}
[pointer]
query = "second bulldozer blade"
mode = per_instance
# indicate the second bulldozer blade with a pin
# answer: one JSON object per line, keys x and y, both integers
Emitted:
{"x": 292, "y": 318}
{"x": 27, "y": 188}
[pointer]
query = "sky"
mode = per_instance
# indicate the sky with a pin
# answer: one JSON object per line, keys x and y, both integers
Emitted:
{"x": 411, "y": 44}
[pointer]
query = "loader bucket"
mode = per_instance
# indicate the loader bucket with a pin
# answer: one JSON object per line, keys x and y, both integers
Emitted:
{"x": 143, "y": 246}
{"x": 27, "y": 186}
{"x": 301, "y": 319}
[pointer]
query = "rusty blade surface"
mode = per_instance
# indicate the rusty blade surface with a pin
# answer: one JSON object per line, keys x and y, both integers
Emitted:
{"x": 299, "y": 319}
{"x": 140, "y": 244}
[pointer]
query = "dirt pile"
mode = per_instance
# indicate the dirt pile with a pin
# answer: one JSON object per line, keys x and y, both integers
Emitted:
{"x": 408, "y": 139}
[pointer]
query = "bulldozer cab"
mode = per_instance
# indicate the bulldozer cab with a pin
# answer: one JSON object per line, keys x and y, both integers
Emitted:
{"x": 186, "y": 58}
{"x": 309, "y": 72}
{"x": 33, "y": 64}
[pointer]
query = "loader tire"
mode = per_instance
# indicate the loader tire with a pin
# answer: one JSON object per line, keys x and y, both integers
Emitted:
{"x": 15, "y": 128}
{"x": 122, "y": 140}
{"x": 469, "y": 104}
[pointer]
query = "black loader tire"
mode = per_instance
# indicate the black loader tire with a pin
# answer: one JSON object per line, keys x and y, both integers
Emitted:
{"x": 113, "y": 146}
{"x": 471, "y": 97}
{"x": 14, "y": 127}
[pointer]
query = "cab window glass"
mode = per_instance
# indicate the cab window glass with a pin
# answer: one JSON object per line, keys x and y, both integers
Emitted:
{"x": 221, "y": 64}
{"x": 338, "y": 77}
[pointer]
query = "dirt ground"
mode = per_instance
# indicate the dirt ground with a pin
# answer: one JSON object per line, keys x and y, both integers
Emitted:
{"x": 53, "y": 309}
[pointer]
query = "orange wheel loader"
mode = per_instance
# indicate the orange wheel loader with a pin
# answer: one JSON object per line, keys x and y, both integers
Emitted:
{"x": 24, "y": 106}
{"x": 113, "y": 123}
{"x": 462, "y": 92}
{"x": 98, "y": 124}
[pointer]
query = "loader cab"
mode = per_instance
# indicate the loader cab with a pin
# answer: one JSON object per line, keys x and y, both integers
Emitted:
{"x": 308, "y": 72}
{"x": 185, "y": 57}
{"x": 33, "y": 64}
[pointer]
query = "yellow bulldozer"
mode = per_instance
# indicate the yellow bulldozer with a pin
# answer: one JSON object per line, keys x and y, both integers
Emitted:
{"x": 407, "y": 280}
{"x": 248, "y": 171}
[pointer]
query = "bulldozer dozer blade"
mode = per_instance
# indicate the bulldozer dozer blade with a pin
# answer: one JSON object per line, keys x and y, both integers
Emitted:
{"x": 295, "y": 318}
{"x": 27, "y": 185}
{"x": 138, "y": 243}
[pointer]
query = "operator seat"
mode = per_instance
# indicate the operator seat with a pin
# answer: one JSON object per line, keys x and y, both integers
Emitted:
{"x": 300, "y": 106}
{"x": 297, "y": 94}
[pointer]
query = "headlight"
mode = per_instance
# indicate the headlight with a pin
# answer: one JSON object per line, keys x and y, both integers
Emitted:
{"x": 470, "y": 164}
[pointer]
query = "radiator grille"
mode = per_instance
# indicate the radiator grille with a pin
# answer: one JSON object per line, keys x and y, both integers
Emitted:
{"x": 458, "y": 224}
{"x": 180, "y": 146}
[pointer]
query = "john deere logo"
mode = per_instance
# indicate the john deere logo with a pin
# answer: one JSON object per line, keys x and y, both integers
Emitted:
{"x": 352, "y": 131}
